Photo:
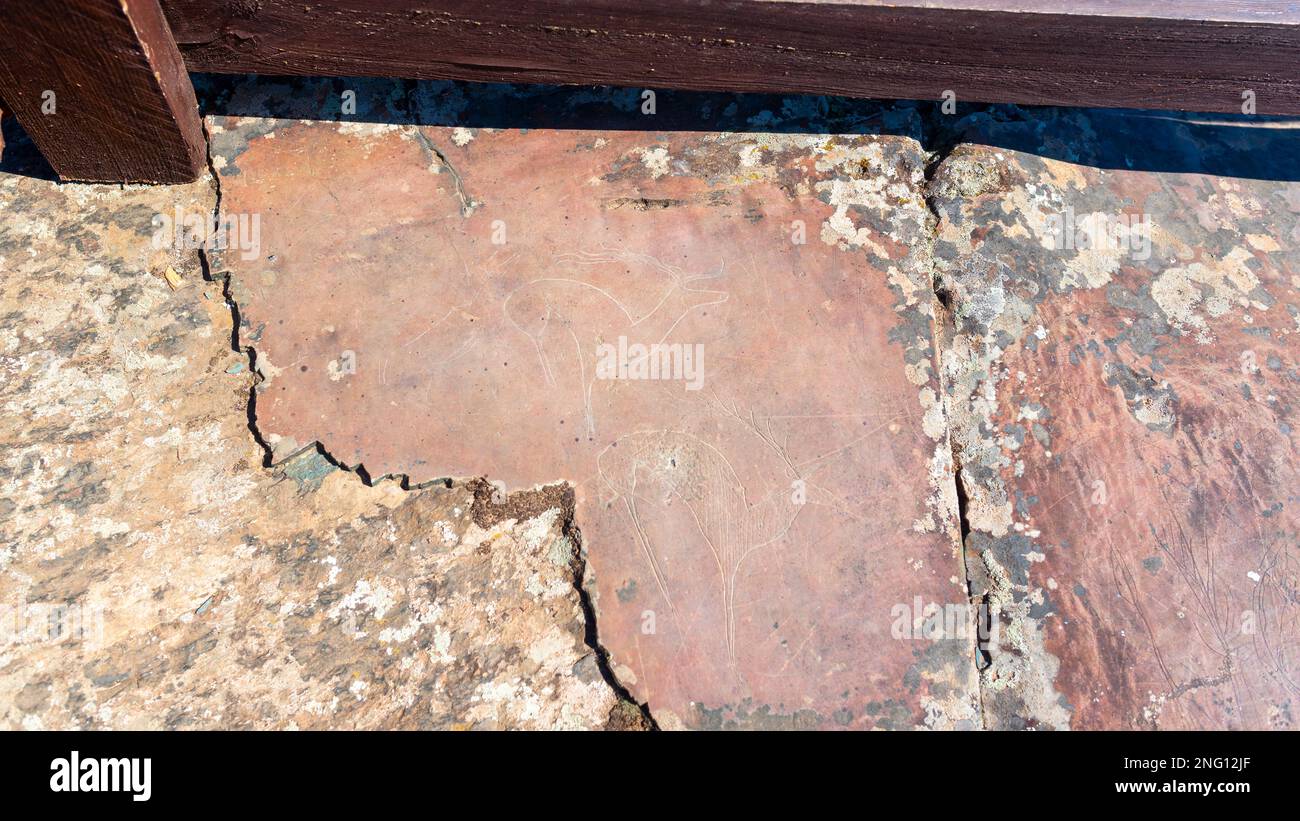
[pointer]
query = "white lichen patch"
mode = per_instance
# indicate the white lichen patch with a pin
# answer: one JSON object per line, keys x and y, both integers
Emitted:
{"x": 656, "y": 161}
{"x": 1187, "y": 295}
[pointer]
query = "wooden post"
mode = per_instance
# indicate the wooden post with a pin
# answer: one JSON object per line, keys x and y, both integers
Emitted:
{"x": 101, "y": 89}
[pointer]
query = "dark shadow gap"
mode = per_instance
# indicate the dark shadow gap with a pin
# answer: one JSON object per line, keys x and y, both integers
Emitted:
{"x": 1255, "y": 147}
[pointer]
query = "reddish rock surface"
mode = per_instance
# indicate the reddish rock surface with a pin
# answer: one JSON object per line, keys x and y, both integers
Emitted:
{"x": 1124, "y": 416}
{"x": 444, "y": 301}
{"x": 769, "y": 537}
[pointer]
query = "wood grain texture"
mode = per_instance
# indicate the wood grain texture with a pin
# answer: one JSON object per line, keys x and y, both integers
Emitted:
{"x": 124, "y": 109}
{"x": 1198, "y": 56}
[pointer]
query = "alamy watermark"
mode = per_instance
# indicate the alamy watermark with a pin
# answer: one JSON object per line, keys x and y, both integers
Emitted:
{"x": 658, "y": 360}
{"x": 52, "y": 623}
{"x": 189, "y": 231}
{"x": 77, "y": 774}
{"x": 1119, "y": 233}
{"x": 931, "y": 621}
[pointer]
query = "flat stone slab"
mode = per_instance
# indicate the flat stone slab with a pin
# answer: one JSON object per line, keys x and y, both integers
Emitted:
{"x": 1094, "y": 312}
{"x": 722, "y": 340}
{"x": 1121, "y": 362}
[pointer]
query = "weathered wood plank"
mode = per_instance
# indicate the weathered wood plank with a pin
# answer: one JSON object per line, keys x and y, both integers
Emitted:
{"x": 101, "y": 89}
{"x": 1197, "y": 55}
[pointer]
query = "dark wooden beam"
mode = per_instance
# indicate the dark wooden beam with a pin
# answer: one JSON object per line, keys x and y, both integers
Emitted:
{"x": 101, "y": 89}
{"x": 1201, "y": 55}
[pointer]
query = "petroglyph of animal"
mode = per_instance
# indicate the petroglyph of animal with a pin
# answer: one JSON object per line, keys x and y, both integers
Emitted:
{"x": 645, "y": 307}
{"x": 672, "y": 474}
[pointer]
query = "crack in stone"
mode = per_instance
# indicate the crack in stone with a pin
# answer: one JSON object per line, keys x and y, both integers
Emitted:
{"x": 467, "y": 205}
{"x": 944, "y": 142}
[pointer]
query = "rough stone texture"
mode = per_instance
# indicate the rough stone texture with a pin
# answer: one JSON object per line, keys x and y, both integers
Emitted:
{"x": 1124, "y": 415}
{"x": 771, "y": 550}
{"x": 199, "y": 589}
{"x": 432, "y": 300}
